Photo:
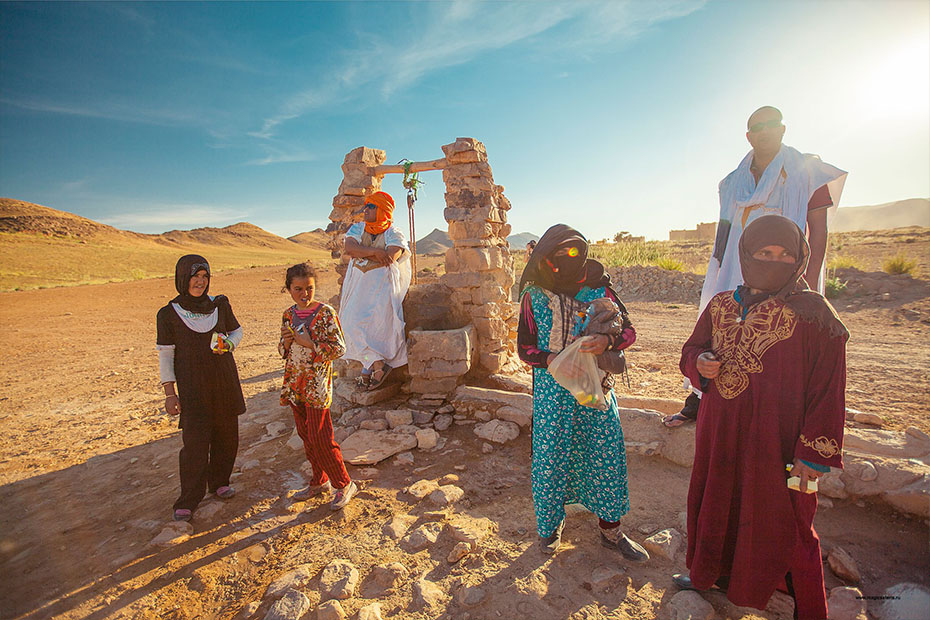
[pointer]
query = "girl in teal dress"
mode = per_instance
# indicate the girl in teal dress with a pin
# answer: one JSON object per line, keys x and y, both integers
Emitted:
{"x": 578, "y": 452}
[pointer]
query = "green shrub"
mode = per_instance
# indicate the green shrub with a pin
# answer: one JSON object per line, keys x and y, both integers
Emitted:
{"x": 670, "y": 264}
{"x": 833, "y": 286}
{"x": 899, "y": 264}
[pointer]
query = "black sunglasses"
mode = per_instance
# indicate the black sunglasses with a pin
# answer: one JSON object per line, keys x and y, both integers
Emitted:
{"x": 371, "y": 206}
{"x": 772, "y": 124}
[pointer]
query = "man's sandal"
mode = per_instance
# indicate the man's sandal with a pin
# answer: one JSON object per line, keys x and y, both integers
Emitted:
{"x": 377, "y": 381}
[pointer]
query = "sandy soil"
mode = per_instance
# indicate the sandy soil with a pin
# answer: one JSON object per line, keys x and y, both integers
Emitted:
{"x": 88, "y": 471}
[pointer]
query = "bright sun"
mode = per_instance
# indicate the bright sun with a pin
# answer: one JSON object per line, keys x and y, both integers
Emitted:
{"x": 898, "y": 85}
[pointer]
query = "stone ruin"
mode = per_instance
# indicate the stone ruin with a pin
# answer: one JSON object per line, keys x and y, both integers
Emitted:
{"x": 467, "y": 323}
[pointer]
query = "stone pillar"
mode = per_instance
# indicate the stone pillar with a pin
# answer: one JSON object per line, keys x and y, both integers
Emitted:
{"x": 359, "y": 181}
{"x": 479, "y": 267}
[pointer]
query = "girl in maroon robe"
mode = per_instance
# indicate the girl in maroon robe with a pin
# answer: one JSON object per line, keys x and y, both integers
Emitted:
{"x": 775, "y": 354}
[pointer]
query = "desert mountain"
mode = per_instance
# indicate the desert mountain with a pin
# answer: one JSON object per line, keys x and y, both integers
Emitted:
{"x": 518, "y": 241}
{"x": 315, "y": 238}
{"x": 437, "y": 242}
{"x": 898, "y": 214}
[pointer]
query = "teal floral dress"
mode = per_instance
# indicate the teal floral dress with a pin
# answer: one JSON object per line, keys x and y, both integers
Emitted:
{"x": 578, "y": 452}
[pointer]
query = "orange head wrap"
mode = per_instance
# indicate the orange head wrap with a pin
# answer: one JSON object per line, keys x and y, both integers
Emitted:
{"x": 384, "y": 214}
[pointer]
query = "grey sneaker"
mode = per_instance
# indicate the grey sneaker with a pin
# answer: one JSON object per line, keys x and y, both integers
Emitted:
{"x": 344, "y": 496}
{"x": 312, "y": 491}
{"x": 615, "y": 539}
{"x": 550, "y": 544}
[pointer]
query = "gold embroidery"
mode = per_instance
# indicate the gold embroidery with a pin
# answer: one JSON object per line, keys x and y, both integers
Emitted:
{"x": 823, "y": 446}
{"x": 740, "y": 345}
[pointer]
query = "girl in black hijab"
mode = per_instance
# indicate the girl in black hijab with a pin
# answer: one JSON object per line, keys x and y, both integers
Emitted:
{"x": 578, "y": 452}
{"x": 196, "y": 336}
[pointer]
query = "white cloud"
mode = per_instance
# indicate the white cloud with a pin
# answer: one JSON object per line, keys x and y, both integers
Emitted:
{"x": 110, "y": 110}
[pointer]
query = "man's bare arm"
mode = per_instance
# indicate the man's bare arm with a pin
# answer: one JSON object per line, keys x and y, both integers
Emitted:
{"x": 817, "y": 228}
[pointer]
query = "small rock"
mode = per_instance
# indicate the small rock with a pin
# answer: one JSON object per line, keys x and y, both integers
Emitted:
{"x": 249, "y": 610}
{"x": 487, "y": 448}
{"x": 520, "y": 417}
{"x": 275, "y": 428}
{"x": 404, "y": 458}
{"x": 824, "y": 502}
{"x": 423, "y": 536}
{"x": 867, "y": 471}
{"x": 370, "y": 612}
{"x": 603, "y": 578}
{"x": 249, "y": 464}
{"x": 843, "y": 566}
{"x": 666, "y": 543}
{"x": 869, "y": 418}
{"x": 482, "y": 416}
{"x": 846, "y": 604}
{"x": 470, "y": 530}
{"x": 339, "y": 579}
{"x": 427, "y": 438}
{"x": 398, "y": 417}
{"x": 449, "y": 479}
{"x": 292, "y": 580}
{"x": 398, "y": 526}
{"x": 498, "y": 431}
{"x": 422, "y": 417}
{"x": 442, "y": 421}
{"x": 459, "y": 467}
{"x": 330, "y": 610}
{"x": 379, "y": 424}
{"x": 172, "y": 534}
{"x": 646, "y": 528}
{"x": 916, "y": 433}
{"x": 422, "y": 488}
{"x": 292, "y": 604}
{"x": 832, "y": 485}
{"x": 446, "y": 409}
{"x": 459, "y": 551}
{"x": 428, "y": 595}
{"x": 133, "y": 460}
{"x": 469, "y": 596}
{"x": 689, "y": 605}
{"x": 295, "y": 442}
{"x": 208, "y": 510}
{"x": 409, "y": 429}
{"x": 905, "y": 601}
{"x": 342, "y": 433}
{"x": 367, "y": 473}
{"x": 446, "y": 494}
{"x": 389, "y": 576}
{"x": 371, "y": 447}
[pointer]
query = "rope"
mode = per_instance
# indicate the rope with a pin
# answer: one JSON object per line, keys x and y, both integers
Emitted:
{"x": 411, "y": 183}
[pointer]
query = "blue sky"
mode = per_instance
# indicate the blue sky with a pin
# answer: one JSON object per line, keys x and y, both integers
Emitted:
{"x": 606, "y": 116}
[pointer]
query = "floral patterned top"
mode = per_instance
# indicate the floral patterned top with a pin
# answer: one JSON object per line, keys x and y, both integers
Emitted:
{"x": 308, "y": 371}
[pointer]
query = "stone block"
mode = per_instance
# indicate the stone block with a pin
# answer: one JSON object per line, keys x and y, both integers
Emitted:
{"x": 489, "y": 293}
{"x": 398, "y": 417}
{"x": 366, "y": 156}
{"x": 519, "y": 416}
{"x": 427, "y": 386}
{"x": 480, "y": 170}
{"x": 490, "y": 329}
{"x": 430, "y": 307}
{"x": 479, "y": 214}
{"x": 474, "y": 259}
{"x": 464, "y": 144}
{"x": 363, "y": 187}
{"x": 438, "y": 353}
{"x": 371, "y": 447}
{"x": 472, "y": 230}
{"x": 353, "y": 203}
{"x": 498, "y": 431}
{"x": 472, "y": 198}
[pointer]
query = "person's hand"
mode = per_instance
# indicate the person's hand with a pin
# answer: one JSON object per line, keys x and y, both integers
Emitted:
{"x": 287, "y": 336}
{"x": 172, "y": 404}
{"x": 708, "y": 365}
{"x": 805, "y": 473}
{"x": 303, "y": 340}
{"x": 595, "y": 344}
{"x": 381, "y": 256}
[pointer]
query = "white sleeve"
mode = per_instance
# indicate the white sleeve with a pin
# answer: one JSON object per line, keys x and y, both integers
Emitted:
{"x": 235, "y": 337}
{"x": 166, "y": 362}
{"x": 355, "y": 231}
{"x": 393, "y": 237}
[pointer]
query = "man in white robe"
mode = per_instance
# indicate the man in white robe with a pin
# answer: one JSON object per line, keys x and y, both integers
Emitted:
{"x": 371, "y": 308}
{"x": 771, "y": 178}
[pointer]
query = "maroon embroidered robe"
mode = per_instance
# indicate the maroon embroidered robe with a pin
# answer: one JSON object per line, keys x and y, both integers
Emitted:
{"x": 780, "y": 395}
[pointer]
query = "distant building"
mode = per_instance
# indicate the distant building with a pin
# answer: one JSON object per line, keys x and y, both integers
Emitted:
{"x": 703, "y": 232}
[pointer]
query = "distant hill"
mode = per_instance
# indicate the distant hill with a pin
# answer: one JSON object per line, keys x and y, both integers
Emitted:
{"x": 437, "y": 242}
{"x": 315, "y": 238}
{"x": 898, "y": 214}
{"x": 44, "y": 247}
{"x": 518, "y": 241}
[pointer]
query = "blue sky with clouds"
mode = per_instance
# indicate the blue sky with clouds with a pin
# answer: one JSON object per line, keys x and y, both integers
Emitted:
{"x": 605, "y": 115}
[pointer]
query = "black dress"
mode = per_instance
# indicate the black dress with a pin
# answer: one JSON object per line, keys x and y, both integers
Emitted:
{"x": 211, "y": 399}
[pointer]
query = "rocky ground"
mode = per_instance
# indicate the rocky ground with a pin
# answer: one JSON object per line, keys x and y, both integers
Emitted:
{"x": 88, "y": 468}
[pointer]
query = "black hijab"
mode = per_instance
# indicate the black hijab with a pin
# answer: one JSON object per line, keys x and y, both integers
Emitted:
{"x": 565, "y": 275}
{"x": 784, "y": 281}
{"x": 183, "y": 272}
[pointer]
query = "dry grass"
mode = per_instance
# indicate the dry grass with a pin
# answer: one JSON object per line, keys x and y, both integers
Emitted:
{"x": 899, "y": 264}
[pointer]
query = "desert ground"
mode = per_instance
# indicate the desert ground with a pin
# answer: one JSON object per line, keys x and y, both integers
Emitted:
{"x": 88, "y": 468}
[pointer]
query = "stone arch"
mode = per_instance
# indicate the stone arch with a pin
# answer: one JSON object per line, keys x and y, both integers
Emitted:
{"x": 479, "y": 266}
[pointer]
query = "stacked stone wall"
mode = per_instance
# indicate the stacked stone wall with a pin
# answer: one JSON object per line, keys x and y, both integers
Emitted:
{"x": 359, "y": 181}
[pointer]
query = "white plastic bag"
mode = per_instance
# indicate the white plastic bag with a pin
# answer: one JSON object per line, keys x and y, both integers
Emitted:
{"x": 577, "y": 372}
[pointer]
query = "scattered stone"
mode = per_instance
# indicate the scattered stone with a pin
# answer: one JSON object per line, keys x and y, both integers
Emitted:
{"x": 470, "y": 530}
{"x": 498, "y": 431}
{"x": 904, "y": 601}
{"x": 442, "y": 421}
{"x": 370, "y": 612}
{"x": 366, "y": 398}
{"x": 459, "y": 551}
{"x": 459, "y": 467}
{"x": 536, "y": 584}
{"x": 435, "y": 515}
{"x": 520, "y": 417}
{"x": 249, "y": 610}
{"x": 422, "y": 488}
{"x": 398, "y": 526}
{"x": 208, "y": 510}
{"x": 427, "y": 595}
{"x": 275, "y": 428}
{"x": 427, "y": 438}
{"x": 371, "y": 447}
{"x": 133, "y": 460}
{"x": 482, "y": 416}
{"x": 689, "y": 605}
{"x": 330, "y": 610}
{"x": 447, "y": 409}
{"x": 846, "y": 604}
{"x": 446, "y": 494}
{"x": 869, "y": 418}
{"x": 824, "y": 502}
{"x": 398, "y": 417}
{"x": 295, "y": 442}
{"x": 405, "y": 458}
{"x": 292, "y": 580}
{"x": 422, "y": 417}
{"x": 292, "y": 604}
{"x": 916, "y": 433}
{"x": 255, "y": 553}
{"x": 604, "y": 578}
{"x": 342, "y": 433}
{"x": 378, "y": 424}
{"x": 367, "y": 473}
{"x": 449, "y": 479}
{"x": 666, "y": 544}
{"x": 339, "y": 579}
{"x": 477, "y": 399}
{"x": 831, "y": 485}
{"x": 389, "y": 576}
{"x": 423, "y": 536}
{"x": 866, "y": 471}
{"x": 249, "y": 464}
{"x": 409, "y": 429}
{"x": 469, "y": 596}
{"x": 843, "y": 566}
{"x": 487, "y": 448}
{"x": 172, "y": 534}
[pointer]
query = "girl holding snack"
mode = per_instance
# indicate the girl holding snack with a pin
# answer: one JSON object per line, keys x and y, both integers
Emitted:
{"x": 197, "y": 334}
{"x": 311, "y": 338}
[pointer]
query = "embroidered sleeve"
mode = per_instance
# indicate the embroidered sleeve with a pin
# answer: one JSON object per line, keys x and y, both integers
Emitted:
{"x": 528, "y": 336}
{"x": 699, "y": 342}
{"x": 329, "y": 342}
{"x": 821, "y": 439}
